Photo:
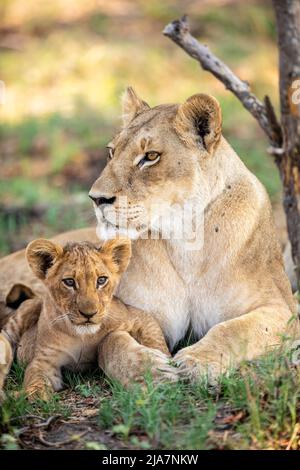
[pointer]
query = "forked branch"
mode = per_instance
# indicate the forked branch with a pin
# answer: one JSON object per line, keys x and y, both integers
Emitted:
{"x": 264, "y": 113}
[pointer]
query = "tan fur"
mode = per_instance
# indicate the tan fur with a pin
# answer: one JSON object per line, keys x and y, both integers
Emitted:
{"x": 19, "y": 323}
{"x": 232, "y": 292}
{"x": 6, "y": 357}
{"x": 64, "y": 336}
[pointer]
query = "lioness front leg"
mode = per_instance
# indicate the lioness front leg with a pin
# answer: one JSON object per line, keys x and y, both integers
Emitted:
{"x": 122, "y": 358}
{"x": 42, "y": 376}
{"x": 243, "y": 338}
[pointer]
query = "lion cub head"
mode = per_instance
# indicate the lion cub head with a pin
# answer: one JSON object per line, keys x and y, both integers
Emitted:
{"x": 80, "y": 277}
{"x": 161, "y": 158}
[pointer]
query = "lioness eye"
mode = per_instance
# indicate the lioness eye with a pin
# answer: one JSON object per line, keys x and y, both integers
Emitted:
{"x": 69, "y": 282}
{"x": 110, "y": 152}
{"x": 101, "y": 281}
{"x": 150, "y": 158}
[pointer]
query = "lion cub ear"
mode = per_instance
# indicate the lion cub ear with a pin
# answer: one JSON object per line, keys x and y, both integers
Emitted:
{"x": 131, "y": 105}
{"x": 41, "y": 254}
{"x": 118, "y": 251}
{"x": 199, "y": 120}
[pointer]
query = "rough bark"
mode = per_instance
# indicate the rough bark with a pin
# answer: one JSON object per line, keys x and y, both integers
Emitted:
{"x": 288, "y": 30}
{"x": 284, "y": 137}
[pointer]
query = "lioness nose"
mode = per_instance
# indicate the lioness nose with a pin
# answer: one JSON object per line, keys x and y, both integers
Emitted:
{"x": 102, "y": 200}
{"x": 87, "y": 314}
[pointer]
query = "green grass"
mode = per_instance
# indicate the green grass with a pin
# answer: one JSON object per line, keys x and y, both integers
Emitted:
{"x": 25, "y": 192}
{"x": 254, "y": 407}
{"x": 185, "y": 416}
{"x": 18, "y": 230}
{"x": 16, "y": 406}
{"x": 86, "y": 385}
{"x": 248, "y": 20}
{"x": 166, "y": 416}
{"x": 255, "y": 157}
{"x": 58, "y": 131}
{"x": 63, "y": 101}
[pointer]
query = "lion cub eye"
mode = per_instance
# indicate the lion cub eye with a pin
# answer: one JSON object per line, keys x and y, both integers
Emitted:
{"x": 101, "y": 281}
{"x": 149, "y": 159}
{"x": 69, "y": 282}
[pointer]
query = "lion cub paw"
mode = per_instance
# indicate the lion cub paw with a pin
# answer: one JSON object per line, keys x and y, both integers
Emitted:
{"x": 6, "y": 357}
{"x": 157, "y": 364}
{"x": 39, "y": 390}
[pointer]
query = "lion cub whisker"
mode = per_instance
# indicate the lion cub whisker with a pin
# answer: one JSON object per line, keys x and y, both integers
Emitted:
{"x": 62, "y": 317}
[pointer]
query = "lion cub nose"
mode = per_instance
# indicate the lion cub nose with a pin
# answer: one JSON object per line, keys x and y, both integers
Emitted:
{"x": 101, "y": 200}
{"x": 87, "y": 314}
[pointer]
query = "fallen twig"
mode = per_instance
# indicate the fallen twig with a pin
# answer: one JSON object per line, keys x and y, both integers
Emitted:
{"x": 294, "y": 436}
{"x": 61, "y": 443}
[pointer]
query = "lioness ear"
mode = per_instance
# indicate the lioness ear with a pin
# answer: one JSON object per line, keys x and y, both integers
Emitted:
{"x": 41, "y": 254}
{"x": 131, "y": 105}
{"x": 119, "y": 252}
{"x": 199, "y": 120}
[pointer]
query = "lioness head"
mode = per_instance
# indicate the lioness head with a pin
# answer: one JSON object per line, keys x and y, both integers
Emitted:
{"x": 156, "y": 161}
{"x": 80, "y": 277}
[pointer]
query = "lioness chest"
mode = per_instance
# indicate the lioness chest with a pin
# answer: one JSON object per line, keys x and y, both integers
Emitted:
{"x": 180, "y": 299}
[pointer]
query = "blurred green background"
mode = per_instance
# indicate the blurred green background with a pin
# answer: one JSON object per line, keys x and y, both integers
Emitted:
{"x": 65, "y": 65}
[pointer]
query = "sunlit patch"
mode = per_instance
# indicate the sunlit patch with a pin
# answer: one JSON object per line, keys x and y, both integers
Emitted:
{"x": 2, "y": 352}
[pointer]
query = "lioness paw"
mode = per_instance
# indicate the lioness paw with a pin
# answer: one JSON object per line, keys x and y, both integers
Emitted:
{"x": 193, "y": 367}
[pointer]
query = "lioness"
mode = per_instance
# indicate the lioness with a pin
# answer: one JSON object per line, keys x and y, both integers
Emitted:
{"x": 232, "y": 292}
{"x": 79, "y": 318}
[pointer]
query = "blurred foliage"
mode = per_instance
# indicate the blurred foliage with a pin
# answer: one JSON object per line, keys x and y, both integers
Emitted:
{"x": 65, "y": 67}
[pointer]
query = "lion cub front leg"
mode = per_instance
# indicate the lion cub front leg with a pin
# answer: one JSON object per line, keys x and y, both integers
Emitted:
{"x": 146, "y": 330}
{"x": 6, "y": 358}
{"x": 43, "y": 376}
{"x": 23, "y": 319}
{"x": 123, "y": 359}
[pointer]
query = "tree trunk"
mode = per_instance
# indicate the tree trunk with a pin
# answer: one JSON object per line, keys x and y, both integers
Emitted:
{"x": 288, "y": 30}
{"x": 284, "y": 137}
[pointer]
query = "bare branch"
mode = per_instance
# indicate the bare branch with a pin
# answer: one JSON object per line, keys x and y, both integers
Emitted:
{"x": 179, "y": 32}
{"x": 274, "y": 124}
{"x": 276, "y": 151}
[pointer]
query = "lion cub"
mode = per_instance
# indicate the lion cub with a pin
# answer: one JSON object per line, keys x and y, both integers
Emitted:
{"x": 79, "y": 314}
